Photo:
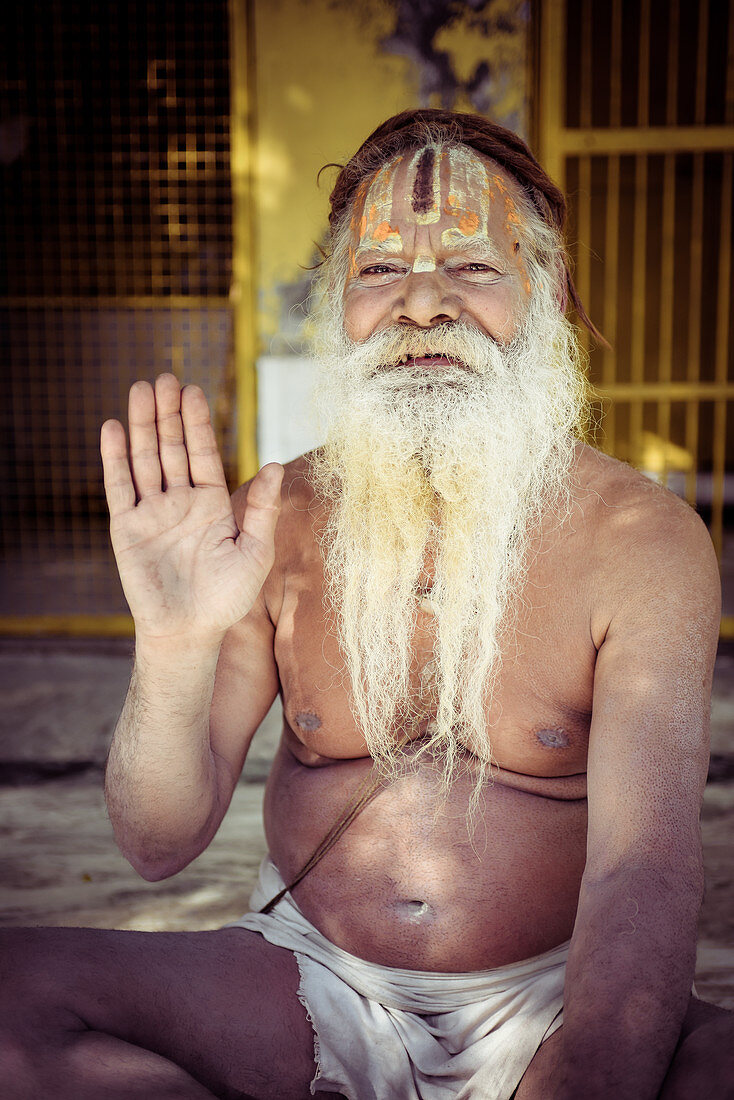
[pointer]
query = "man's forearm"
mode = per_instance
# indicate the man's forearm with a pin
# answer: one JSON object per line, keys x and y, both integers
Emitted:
{"x": 161, "y": 783}
{"x": 628, "y": 982}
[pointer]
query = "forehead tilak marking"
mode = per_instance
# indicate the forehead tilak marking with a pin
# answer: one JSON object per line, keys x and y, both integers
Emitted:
{"x": 469, "y": 188}
{"x": 422, "y": 200}
{"x": 372, "y": 212}
{"x": 467, "y": 199}
{"x": 426, "y": 195}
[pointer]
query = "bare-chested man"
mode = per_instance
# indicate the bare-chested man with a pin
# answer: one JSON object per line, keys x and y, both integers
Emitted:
{"x": 494, "y": 648}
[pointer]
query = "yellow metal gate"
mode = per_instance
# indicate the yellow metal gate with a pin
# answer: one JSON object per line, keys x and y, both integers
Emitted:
{"x": 123, "y": 172}
{"x": 636, "y": 122}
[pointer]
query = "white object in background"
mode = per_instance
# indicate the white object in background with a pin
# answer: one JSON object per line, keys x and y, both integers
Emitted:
{"x": 286, "y": 424}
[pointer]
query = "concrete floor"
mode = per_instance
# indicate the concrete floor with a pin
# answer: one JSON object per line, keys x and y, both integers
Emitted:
{"x": 59, "y": 863}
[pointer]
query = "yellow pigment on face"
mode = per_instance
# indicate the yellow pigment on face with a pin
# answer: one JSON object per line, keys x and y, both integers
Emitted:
{"x": 467, "y": 201}
{"x": 456, "y": 184}
{"x": 375, "y": 224}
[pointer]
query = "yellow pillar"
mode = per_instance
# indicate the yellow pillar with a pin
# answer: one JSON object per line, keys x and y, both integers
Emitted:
{"x": 244, "y": 283}
{"x": 551, "y": 90}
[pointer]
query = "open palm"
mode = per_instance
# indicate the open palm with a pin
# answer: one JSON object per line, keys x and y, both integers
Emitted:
{"x": 185, "y": 565}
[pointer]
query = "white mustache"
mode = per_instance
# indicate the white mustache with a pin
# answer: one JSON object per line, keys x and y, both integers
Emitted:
{"x": 462, "y": 345}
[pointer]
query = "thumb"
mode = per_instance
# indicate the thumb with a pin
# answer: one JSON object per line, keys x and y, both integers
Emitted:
{"x": 263, "y": 505}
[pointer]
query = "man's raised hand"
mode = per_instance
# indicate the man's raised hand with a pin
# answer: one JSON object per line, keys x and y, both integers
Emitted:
{"x": 186, "y": 568}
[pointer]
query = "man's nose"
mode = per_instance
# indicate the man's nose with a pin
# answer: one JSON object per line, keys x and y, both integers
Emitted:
{"x": 424, "y": 301}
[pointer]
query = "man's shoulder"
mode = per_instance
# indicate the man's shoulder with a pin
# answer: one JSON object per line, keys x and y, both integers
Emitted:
{"x": 642, "y": 529}
{"x": 623, "y": 498}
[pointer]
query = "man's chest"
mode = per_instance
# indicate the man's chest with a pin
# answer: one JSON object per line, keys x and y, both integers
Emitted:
{"x": 539, "y": 712}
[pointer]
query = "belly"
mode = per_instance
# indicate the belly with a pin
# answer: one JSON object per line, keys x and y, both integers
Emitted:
{"x": 416, "y": 881}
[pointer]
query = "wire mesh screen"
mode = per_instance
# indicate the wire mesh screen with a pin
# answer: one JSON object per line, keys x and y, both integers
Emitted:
{"x": 115, "y": 225}
{"x": 654, "y": 233}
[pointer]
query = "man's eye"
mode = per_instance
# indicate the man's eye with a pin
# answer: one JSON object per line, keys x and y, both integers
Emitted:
{"x": 380, "y": 273}
{"x": 476, "y": 272}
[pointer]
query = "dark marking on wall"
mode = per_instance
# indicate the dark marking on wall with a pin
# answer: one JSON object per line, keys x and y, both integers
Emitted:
{"x": 422, "y": 200}
{"x": 418, "y": 24}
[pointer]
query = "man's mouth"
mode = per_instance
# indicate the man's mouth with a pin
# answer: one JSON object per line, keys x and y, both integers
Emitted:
{"x": 429, "y": 359}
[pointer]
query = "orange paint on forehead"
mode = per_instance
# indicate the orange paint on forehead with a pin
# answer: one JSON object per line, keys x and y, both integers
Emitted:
{"x": 410, "y": 195}
{"x": 376, "y": 222}
{"x": 469, "y": 223}
{"x": 358, "y": 205}
{"x": 468, "y": 198}
{"x": 384, "y": 230}
{"x": 422, "y": 187}
{"x": 512, "y": 215}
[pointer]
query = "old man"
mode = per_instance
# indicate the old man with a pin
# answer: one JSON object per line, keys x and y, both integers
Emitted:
{"x": 494, "y": 649}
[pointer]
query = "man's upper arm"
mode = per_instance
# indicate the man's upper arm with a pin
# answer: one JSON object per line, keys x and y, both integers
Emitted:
{"x": 648, "y": 749}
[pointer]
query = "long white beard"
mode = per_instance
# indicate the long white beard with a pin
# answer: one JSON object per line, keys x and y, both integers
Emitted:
{"x": 438, "y": 472}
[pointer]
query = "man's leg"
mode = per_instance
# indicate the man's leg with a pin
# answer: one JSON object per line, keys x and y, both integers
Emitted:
{"x": 86, "y": 1013}
{"x": 702, "y": 1066}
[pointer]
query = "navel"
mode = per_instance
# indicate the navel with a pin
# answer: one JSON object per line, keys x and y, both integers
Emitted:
{"x": 552, "y": 738}
{"x": 307, "y": 720}
{"x": 414, "y": 911}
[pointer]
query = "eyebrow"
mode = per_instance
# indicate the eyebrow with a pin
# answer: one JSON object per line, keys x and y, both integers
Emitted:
{"x": 475, "y": 247}
{"x": 479, "y": 248}
{"x": 376, "y": 249}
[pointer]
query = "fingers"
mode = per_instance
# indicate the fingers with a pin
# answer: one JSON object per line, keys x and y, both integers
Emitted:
{"x": 172, "y": 441}
{"x": 263, "y": 504}
{"x": 118, "y": 482}
{"x": 157, "y": 449}
{"x": 144, "y": 462}
{"x": 204, "y": 463}
{"x": 172, "y": 454}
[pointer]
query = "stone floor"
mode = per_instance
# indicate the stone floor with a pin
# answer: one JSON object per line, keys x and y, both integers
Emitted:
{"x": 59, "y": 863}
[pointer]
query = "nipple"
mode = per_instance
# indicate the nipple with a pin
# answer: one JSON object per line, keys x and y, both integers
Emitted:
{"x": 554, "y": 739}
{"x": 308, "y": 721}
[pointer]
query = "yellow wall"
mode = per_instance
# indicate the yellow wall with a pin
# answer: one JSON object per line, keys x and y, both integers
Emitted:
{"x": 327, "y": 72}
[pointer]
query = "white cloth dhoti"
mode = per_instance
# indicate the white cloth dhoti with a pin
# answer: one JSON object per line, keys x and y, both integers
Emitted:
{"x": 384, "y": 1033}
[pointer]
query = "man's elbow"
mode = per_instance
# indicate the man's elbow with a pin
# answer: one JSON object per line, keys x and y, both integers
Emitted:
{"x": 678, "y": 880}
{"x": 160, "y": 853}
{"x": 155, "y": 866}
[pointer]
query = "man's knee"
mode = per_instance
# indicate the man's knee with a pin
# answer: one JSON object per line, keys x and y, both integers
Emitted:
{"x": 34, "y": 993}
{"x": 27, "y": 1035}
{"x": 703, "y": 1064}
{"x": 18, "y": 962}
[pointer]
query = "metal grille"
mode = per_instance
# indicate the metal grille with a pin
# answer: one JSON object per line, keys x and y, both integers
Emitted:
{"x": 636, "y": 121}
{"x": 116, "y": 230}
